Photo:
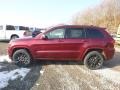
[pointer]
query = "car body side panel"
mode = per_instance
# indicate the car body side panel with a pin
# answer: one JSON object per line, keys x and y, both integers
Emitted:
{"x": 46, "y": 49}
{"x": 63, "y": 49}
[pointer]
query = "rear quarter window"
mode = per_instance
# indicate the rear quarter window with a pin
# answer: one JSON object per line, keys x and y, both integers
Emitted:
{"x": 94, "y": 33}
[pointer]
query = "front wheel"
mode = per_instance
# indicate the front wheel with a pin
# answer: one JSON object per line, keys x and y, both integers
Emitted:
{"x": 21, "y": 58}
{"x": 93, "y": 60}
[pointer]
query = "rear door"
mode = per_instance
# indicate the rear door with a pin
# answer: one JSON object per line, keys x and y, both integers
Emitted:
{"x": 73, "y": 44}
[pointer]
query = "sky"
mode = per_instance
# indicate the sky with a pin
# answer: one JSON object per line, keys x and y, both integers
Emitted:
{"x": 42, "y": 13}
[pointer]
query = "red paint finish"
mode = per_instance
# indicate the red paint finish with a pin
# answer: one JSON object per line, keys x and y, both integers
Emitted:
{"x": 64, "y": 48}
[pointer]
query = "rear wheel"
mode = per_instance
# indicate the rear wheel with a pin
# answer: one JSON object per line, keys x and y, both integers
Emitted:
{"x": 21, "y": 58}
{"x": 14, "y": 37}
{"x": 93, "y": 60}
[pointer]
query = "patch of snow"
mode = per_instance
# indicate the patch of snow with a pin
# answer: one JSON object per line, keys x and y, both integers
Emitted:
{"x": 99, "y": 77}
{"x": 41, "y": 72}
{"x": 1, "y": 67}
{"x": 5, "y": 76}
{"x": 109, "y": 74}
{"x": 106, "y": 74}
{"x": 117, "y": 49}
{"x": 37, "y": 84}
{"x": 5, "y": 58}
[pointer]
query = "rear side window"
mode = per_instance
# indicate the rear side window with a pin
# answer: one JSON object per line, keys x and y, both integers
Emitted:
{"x": 93, "y": 33}
{"x": 75, "y": 33}
{"x": 23, "y": 28}
{"x": 10, "y": 27}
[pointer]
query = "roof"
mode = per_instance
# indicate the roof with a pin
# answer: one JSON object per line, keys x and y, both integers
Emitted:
{"x": 76, "y": 26}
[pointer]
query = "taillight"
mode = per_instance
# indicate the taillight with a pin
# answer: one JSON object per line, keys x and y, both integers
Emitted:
{"x": 111, "y": 44}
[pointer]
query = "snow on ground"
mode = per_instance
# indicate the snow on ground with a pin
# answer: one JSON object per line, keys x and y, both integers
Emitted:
{"x": 1, "y": 67}
{"x": 109, "y": 74}
{"x": 106, "y": 73}
{"x": 41, "y": 72}
{"x": 5, "y": 76}
{"x": 5, "y": 58}
{"x": 117, "y": 49}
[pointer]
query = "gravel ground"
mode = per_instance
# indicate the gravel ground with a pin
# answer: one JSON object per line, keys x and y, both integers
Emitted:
{"x": 70, "y": 75}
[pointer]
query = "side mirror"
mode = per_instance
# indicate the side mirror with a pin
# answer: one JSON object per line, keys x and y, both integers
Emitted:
{"x": 43, "y": 37}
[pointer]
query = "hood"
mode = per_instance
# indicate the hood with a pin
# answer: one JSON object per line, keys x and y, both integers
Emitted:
{"x": 23, "y": 39}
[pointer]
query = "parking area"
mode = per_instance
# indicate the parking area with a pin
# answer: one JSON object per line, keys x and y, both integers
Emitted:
{"x": 58, "y": 75}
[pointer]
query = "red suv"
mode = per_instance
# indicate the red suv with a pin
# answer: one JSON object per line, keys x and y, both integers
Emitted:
{"x": 90, "y": 44}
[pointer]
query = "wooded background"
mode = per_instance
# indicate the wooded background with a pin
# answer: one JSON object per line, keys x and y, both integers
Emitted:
{"x": 106, "y": 14}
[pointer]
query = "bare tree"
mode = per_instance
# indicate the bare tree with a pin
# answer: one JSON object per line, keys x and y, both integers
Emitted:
{"x": 107, "y": 14}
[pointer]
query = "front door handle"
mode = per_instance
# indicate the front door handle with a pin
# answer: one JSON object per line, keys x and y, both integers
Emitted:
{"x": 84, "y": 41}
{"x": 60, "y": 40}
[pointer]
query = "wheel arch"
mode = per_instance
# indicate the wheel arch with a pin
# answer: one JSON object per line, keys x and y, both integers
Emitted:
{"x": 100, "y": 50}
{"x": 14, "y": 35}
{"x": 25, "y": 48}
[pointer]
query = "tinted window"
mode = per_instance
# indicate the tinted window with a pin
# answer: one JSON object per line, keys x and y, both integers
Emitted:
{"x": 23, "y": 28}
{"x": 1, "y": 27}
{"x": 57, "y": 33}
{"x": 93, "y": 33}
{"x": 75, "y": 33}
{"x": 10, "y": 27}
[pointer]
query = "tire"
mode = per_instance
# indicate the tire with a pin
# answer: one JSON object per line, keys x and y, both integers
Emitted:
{"x": 14, "y": 37}
{"x": 21, "y": 58}
{"x": 93, "y": 60}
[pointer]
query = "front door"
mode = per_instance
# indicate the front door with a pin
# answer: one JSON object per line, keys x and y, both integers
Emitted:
{"x": 51, "y": 47}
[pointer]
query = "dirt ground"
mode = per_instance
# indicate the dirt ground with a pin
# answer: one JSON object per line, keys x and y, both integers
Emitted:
{"x": 3, "y": 48}
{"x": 65, "y": 75}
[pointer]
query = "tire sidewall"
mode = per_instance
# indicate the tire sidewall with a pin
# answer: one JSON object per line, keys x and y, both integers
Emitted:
{"x": 91, "y": 54}
{"x": 24, "y": 52}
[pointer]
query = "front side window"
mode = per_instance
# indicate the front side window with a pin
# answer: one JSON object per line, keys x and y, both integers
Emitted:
{"x": 75, "y": 33}
{"x": 57, "y": 33}
{"x": 93, "y": 33}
